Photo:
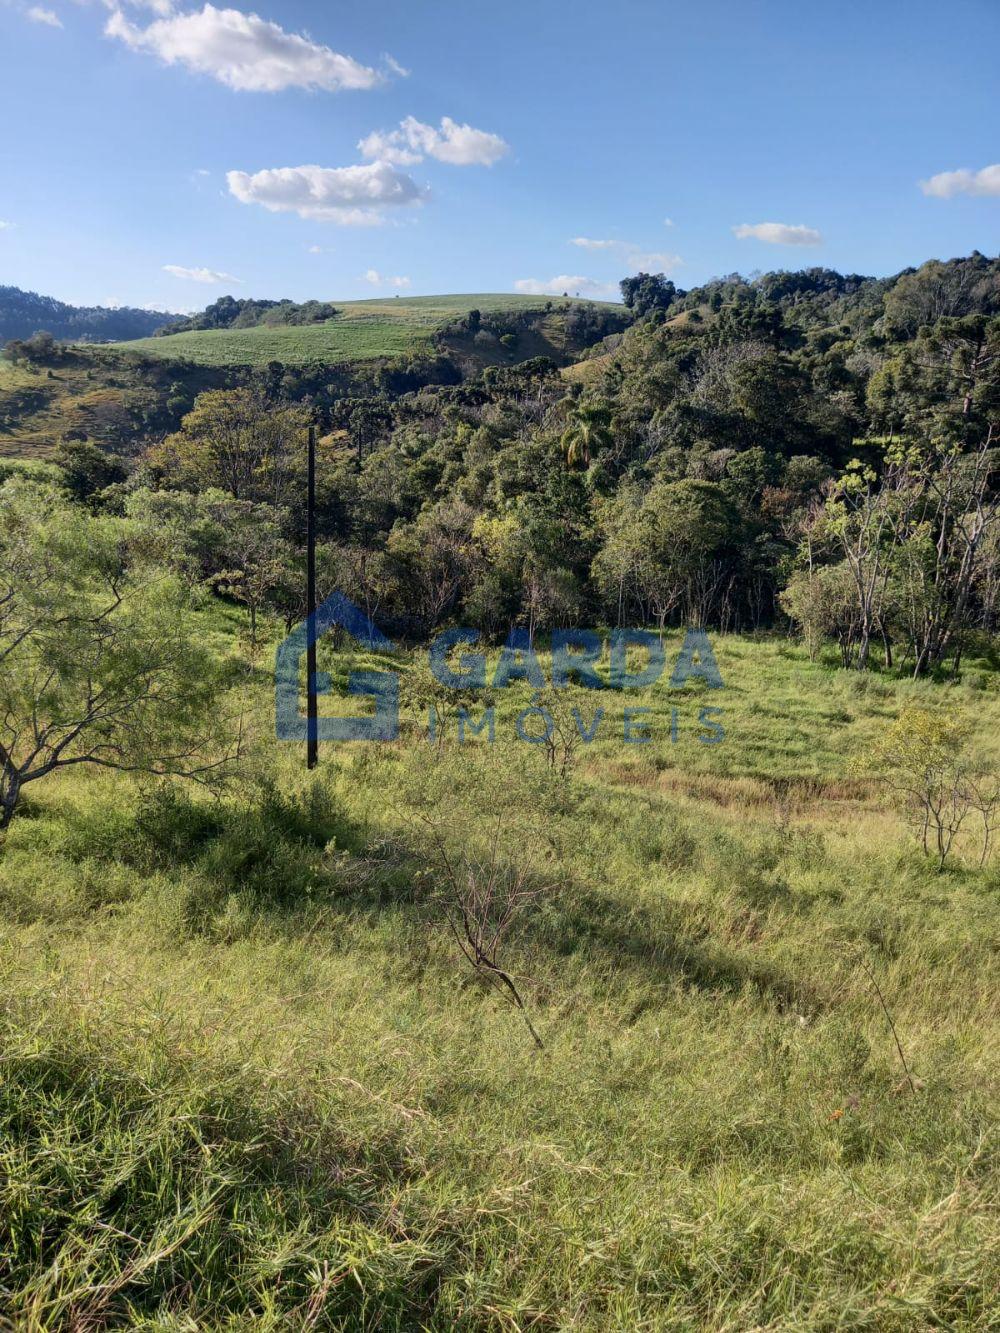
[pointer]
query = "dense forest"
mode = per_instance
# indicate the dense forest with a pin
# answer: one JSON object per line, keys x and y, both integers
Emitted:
{"x": 796, "y": 448}
{"x": 25, "y": 313}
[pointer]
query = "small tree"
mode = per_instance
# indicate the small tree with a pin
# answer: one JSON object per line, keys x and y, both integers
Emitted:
{"x": 587, "y": 432}
{"x": 257, "y": 558}
{"x": 99, "y": 661}
{"x": 821, "y": 602}
{"x": 86, "y": 469}
{"x": 923, "y": 757}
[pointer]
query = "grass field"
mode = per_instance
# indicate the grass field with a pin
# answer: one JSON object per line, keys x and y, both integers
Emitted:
{"x": 38, "y": 406}
{"x": 362, "y": 331}
{"x": 248, "y": 1082}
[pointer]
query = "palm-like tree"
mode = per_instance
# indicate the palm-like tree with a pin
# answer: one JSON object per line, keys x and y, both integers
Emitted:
{"x": 589, "y": 430}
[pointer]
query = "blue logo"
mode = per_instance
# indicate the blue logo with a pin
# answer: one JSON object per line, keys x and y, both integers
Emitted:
{"x": 575, "y": 655}
{"x": 382, "y": 686}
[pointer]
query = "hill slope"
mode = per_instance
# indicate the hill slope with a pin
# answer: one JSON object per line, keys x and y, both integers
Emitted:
{"x": 366, "y": 330}
{"x": 283, "y": 1071}
{"x": 24, "y": 313}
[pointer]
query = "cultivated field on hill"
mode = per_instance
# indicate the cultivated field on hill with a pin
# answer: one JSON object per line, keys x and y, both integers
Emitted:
{"x": 363, "y": 330}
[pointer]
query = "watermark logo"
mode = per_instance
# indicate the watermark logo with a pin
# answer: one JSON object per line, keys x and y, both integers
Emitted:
{"x": 382, "y": 686}
{"x": 575, "y": 657}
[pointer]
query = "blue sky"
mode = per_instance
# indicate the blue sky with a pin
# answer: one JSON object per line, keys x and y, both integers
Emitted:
{"x": 151, "y": 152}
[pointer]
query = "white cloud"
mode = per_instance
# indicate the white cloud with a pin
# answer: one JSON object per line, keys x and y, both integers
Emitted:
{"x": 351, "y": 196}
{"x": 243, "y": 51}
{"x": 573, "y": 284}
{"x": 458, "y": 145}
{"x": 630, "y": 255}
{"x": 946, "y": 184}
{"x": 778, "y": 233}
{"x": 206, "y": 275}
{"x": 394, "y": 66}
{"x": 378, "y": 279}
{"x": 316, "y": 250}
{"x": 6, "y": 226}
{"x": 47, "y": 16}
{"x": 668, "y": 222}
{"x": 650, "y": 261}
{"x": 161, "y": 7}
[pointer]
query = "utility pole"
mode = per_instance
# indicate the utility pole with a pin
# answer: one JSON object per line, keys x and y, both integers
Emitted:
{"x": 312, "y": 713}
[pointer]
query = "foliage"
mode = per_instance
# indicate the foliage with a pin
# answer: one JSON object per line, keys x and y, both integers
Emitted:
{"x": 99, "y": 663}
{"x": 647, "y": 292}
{"x": 236, "y": 439}
{"x": 22, "y": 313}
{"x": 925, "y": 758}
{"x": 228, "y": 312}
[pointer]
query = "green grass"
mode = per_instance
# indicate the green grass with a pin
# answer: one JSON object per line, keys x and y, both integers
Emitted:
{"x": 39, "y": 404}
{"x": 362, "y": 331}
{"x": 247, "y": 1081}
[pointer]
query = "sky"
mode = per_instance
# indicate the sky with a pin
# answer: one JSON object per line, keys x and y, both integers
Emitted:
{"x": 163, "y": 153}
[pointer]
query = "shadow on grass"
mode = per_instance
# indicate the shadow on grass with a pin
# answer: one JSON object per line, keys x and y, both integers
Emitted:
{"x": 149, "y": 1183}
{"x": 285, "y": 853}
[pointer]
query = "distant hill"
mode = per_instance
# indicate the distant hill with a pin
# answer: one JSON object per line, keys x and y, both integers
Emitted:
{"x": 24, "y": 313}
{"x": 230, "y": 312}
{"x": 479, "y": 328}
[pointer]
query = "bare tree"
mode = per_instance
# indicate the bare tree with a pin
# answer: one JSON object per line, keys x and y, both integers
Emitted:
{"x": 483, "y": 895}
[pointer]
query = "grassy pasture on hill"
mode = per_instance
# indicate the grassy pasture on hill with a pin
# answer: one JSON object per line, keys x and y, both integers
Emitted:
{"x": 37, "y": 407}
{"x": 362, "y": 331}
{"x": 249, "y": 1082}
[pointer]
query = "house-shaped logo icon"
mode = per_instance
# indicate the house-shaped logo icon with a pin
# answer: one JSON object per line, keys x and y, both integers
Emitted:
{"x": 381, "y": 686}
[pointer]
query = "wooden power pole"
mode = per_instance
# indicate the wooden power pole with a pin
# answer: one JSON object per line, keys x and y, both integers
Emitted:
{"x": 312, "y": 712}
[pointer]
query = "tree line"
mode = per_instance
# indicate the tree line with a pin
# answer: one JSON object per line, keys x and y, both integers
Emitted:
{"x": 734, "y": 459}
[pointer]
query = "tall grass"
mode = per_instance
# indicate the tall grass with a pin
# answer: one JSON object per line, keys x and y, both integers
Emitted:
{"x": 247, "y": 1080}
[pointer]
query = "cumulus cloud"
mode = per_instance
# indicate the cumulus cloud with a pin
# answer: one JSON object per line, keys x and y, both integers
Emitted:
{"x": 573, "y": 284}
{"x": 946, "y": 184}
{"x": 47, "y": 16}
{"x": 631, "y": 255}
{"x": 458, "y": 145}
{"x": 778, "y": 233}
{"x": 351, "y": 196}
{"x": 242, "y": 51}
{"x": 207, "y": 275}
{"x": 378, "y": 279}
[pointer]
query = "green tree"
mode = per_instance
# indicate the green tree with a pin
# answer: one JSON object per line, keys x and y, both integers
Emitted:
{"x": 588, "y": 430}
{"x": 241, "y": 441}
{"x": 87, "y": 469}
{"x": 648, "y": 291}
{"x": 100, "y": 663}
{"x": 688, "y": 529}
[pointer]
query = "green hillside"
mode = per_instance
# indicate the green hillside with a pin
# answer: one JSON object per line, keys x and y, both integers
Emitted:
{"x": 362, "y": 331}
